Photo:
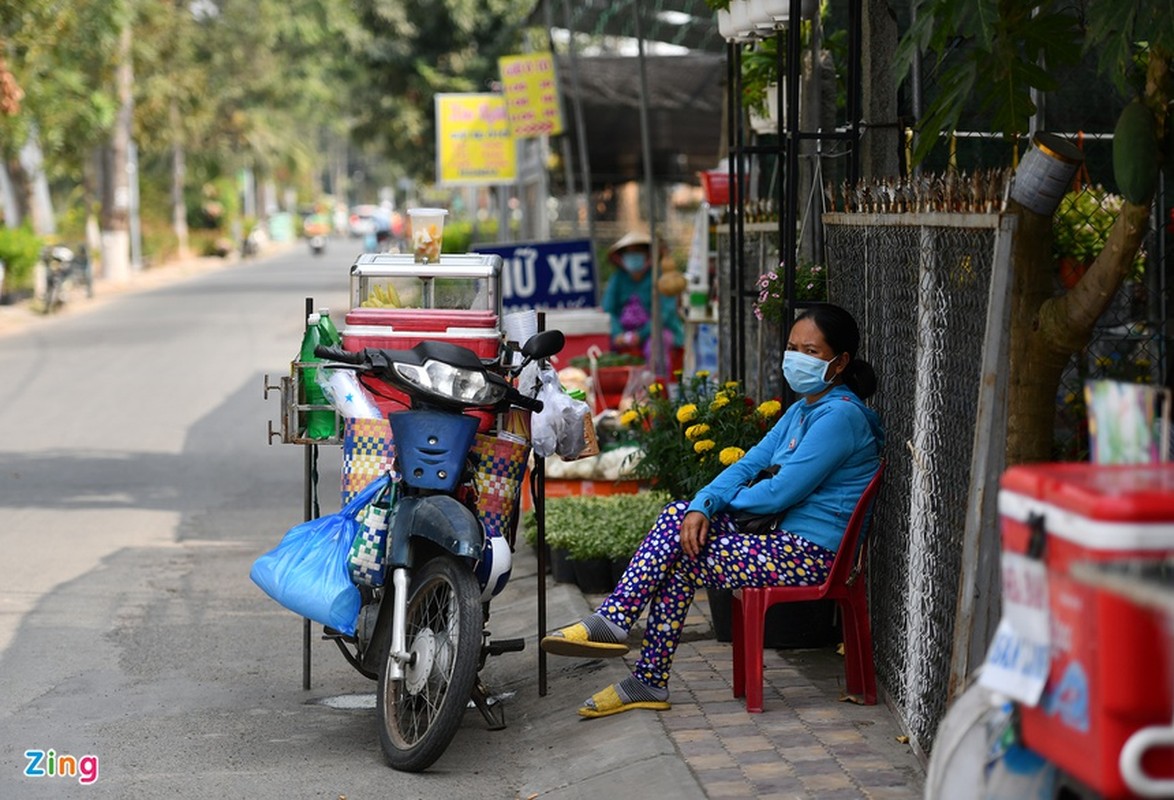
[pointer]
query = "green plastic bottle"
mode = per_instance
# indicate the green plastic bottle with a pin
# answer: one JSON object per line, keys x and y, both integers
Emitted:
{"x": 329, "y": 332}
{"x": 319, "y": 424}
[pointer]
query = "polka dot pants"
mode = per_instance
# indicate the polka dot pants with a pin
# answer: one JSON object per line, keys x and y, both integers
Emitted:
{"x": 662, "y": 576}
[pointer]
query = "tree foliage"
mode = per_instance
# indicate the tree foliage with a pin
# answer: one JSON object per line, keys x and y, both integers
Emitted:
{"x": 413, "y": 51}
{"x": 997, "y": 51}
{"x": 988, "y": 55}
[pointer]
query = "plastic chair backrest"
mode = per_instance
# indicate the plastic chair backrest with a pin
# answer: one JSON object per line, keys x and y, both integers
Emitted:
{"x": 852, "y": 543}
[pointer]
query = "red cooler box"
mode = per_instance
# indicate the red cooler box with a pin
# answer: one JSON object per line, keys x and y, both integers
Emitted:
{"x": 1110, "y": 667}
{"x": 402, "y": 328}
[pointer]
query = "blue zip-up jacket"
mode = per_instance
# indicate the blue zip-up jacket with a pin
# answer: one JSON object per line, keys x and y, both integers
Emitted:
{"x": 827, "y": 452}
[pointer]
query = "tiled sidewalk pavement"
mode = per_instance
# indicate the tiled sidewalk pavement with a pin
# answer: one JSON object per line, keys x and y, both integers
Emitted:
{"x": 806, "y": 744}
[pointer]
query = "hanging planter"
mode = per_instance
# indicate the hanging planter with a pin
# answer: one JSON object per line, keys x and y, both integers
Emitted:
{"x": 760, "y": 16}
{"x": 780, "y": 10}
{"x": 772, "y": 103}
{"x": 740, "y": 23}
{"x": 762, "y": 124}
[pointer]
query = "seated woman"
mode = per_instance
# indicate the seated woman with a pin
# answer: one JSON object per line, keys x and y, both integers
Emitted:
{"x": 823, "y": 453}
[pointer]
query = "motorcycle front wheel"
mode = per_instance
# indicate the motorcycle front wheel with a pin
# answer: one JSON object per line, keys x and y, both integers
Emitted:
{"x": 420, "y": 713}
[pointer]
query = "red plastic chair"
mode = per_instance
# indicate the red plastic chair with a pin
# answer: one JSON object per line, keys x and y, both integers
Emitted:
{"x": 845, "y": 585}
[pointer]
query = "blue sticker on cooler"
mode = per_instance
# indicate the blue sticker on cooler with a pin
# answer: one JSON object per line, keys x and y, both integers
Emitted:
{"x": 1069, "y": 699}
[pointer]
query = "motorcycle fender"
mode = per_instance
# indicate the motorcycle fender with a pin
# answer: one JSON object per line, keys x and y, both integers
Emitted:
{"x": 437, "y": 518}
{"x": 440, "y": 519}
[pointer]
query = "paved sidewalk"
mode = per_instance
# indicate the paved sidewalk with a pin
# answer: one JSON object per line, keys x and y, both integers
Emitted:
{"x": 806, "y": 744}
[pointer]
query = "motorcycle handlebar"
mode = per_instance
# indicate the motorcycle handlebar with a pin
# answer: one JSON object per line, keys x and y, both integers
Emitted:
{"x": 522, "y": 401}
{"x": 338, "y": 354}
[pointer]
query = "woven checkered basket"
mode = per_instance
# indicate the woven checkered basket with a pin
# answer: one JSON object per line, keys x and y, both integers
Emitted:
{"x": 501, "y": 463}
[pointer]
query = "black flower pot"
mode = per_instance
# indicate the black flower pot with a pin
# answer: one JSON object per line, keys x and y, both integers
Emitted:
{"x": 810, "y": 623}
{"x": 594, "y": 575}
{"x": 788, "y": 625}
{"x": 562, "y": 569}
{"x": 618, "y": 565}
{"x": 719, "y": 613}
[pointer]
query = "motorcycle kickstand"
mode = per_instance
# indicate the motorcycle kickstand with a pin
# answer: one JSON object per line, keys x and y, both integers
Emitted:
{"x": 495, "y": 714}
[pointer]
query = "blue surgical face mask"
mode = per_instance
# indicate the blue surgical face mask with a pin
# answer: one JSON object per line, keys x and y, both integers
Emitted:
{"x": 804, "y": 373}
{"x": 632, "y": 261}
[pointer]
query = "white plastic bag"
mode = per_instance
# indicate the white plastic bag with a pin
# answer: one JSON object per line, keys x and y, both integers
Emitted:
{"x": 558, "y": 428}
{"x": 347, "y": 395}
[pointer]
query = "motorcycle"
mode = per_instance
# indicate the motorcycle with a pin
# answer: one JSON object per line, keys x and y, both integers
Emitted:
{"x": 317, "y": 244}
{"x": 422, "y": 635}
{"x": 65, "y": 268}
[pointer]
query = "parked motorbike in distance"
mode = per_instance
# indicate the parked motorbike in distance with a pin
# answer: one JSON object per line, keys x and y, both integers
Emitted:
{"x": 422, "y": 634}
{"x": 65, "y": 269}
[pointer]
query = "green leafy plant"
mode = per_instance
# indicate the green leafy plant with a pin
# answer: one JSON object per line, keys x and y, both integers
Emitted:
{"x": 687, "y": 439}
{"x": 19, "y": 250}
{"x": 811, "y": 284}
{"x": 1081, "y": 226}
{"x": 608, "y": 360}
{"x": 760, "y": 69}
{"x": 589, "y": 527}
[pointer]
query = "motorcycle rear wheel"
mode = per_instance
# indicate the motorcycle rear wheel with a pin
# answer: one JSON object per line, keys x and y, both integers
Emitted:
{"x": 420, "y": 713}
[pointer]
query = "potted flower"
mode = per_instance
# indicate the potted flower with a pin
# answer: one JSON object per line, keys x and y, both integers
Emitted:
{"x": 685, "y": 440}
{"x": 811, "y": 285}
{"x": 1080, "y": 229}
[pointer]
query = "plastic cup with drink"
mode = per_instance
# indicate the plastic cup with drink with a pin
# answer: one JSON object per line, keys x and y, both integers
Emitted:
{"x": 427, "y": 233}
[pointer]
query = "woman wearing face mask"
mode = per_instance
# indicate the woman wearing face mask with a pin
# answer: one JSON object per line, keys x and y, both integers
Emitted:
{"x": 628, "y": 298}
{"x": 823, "y": 452}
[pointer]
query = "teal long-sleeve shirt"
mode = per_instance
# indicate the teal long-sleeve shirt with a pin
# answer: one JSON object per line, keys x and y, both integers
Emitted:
{"x": 826, "y": 451}
{"x": 615, "y": 296}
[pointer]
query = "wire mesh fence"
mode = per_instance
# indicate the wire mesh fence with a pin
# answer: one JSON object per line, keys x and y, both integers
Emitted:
{"x": 919, "y": 286}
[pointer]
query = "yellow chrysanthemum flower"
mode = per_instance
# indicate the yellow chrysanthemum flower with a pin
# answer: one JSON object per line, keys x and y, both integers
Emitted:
{"x": 702, "y": 374}
{"x": 696, "y": 431}
{"x": 655, "y": 389}
{"x": 769, "y": 409}
{"x": 704, "y": 446}
{"x": 721, "y": 401}
{"x": 686, "y": 412}
{"x": 730, "y": 385}
{"x": 628, "y": 418}
{"x": 729, "y": 455}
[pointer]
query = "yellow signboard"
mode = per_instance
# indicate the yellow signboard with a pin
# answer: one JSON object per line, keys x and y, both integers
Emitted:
{"x": 474, "y": 146}
{"x": 531, "y": 90}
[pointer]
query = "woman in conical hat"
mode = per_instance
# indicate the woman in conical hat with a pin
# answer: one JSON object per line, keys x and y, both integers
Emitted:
{"x": 628, "y": 297}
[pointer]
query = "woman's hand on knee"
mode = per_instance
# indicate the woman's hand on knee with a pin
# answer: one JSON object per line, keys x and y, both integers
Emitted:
{"x": 694, "y": 533}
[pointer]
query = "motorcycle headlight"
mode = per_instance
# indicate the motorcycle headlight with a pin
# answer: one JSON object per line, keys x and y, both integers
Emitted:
{"x": 466, "y": 386}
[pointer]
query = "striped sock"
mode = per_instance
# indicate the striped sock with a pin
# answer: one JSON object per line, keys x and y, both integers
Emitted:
{"x": 632, "y": 690}
{"x": 601, "y": 629}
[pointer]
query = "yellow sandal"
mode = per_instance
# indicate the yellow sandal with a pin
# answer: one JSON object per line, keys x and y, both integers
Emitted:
{"x": 574, "y": 640}
{"x": 606, "y": 702}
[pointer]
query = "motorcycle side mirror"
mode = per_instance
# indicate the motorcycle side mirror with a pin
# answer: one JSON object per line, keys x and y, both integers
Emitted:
{"x": 544, "y": 345}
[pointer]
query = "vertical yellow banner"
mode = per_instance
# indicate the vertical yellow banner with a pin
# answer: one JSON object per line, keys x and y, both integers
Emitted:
{"x": 531, "y": 90}
{"x": 474, "y": 146}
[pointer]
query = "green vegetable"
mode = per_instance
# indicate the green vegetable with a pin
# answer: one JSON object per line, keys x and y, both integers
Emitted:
{"x": 608, "y": 360}
{"x": 591, "y": 526}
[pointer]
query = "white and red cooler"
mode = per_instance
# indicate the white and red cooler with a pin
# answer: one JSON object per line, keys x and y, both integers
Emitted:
{"x": 1110, "y": 670}
{"x": 396, "y": 304}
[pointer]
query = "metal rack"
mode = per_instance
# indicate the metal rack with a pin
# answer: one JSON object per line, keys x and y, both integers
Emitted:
{"x": 737, "y": 293}
{"x": 292, "y": 416}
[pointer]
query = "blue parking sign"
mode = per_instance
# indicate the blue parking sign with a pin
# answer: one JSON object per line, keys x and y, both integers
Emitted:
{"x": 545, "y": 275}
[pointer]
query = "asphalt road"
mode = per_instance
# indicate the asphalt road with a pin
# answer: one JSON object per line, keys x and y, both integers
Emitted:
{"x": 136, "y": 488}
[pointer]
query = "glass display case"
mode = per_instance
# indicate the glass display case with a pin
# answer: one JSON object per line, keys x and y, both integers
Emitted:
{"x": 459, "y": 282}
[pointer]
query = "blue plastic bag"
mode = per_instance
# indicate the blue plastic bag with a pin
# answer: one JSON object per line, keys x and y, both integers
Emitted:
{"x": 308, "y": 571}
